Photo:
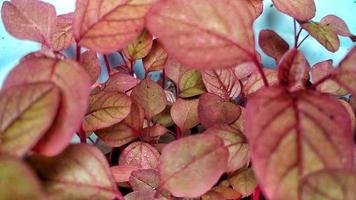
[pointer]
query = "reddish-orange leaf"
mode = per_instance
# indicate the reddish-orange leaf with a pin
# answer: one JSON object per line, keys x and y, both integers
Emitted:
{"x": 144, "y": 180}
{"x": 293, "y": 135}
{"x": 302, "y": 10}
{"x": 185, "y": 113}
{"x": 121, "y": 82}
{"x": 91, "y": 64}
{"x": 324, "y": 34}
{"x": 18, "y": 181}
{"x": 140, "y": 47}
{"x": 29, "y": 19}
{"x": 153, "y": 131}
{"x": 235, "y": 142}
{"x": 244, "y": 70}
{"x": 156, "y": 59}
{"x": 174, "y": 70}
{"x": 164, "y": 118}
{"x": 322, "y": 70}
{"x": 243, "y": 181}
{"x": 74, "y": 85}
{"x": 106, "y": 26}
{"x": 293, "y": 70}
{"x": 141, "y": 155}
{"x": 272, "y": 44}
{"x": 142, "y": 195}
{"x": 255, "y": 82}
{"x": 337, "y": 25}
{"x": 79, "y": 172}
{"x": 150, "y": 96}
{"x": 256, "y": 7}
{"x": 220, "y": 32}
{"x": 222, "y": 82}
{"x": 213, "y": 110}
{"x": 27, "y": 112}
{"x": 329, "y": 184}
{"x": 125, "y": 131}
{"x": 351, "y": 114}
{"x": 190, "y": 166}
{"x": 122, "y": 173}
{"x": 106, "y": 109}
{"x": 62, "y": 36}
{"x": 346, "y": 73}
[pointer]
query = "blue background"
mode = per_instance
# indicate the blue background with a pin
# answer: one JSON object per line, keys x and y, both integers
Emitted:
{"x": 12, "y": 49}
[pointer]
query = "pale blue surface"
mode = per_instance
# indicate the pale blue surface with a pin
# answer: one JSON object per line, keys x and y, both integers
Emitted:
{"x": 12, "y": 49}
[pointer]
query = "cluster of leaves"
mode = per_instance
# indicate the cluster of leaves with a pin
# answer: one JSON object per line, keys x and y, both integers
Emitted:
{"x": 217, "y": 125}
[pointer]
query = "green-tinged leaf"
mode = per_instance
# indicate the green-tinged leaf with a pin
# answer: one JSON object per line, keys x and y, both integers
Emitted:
{"x": 62, "y": 36}
{"x": 143, "y": 195}
{"x": 150, "y": 96}
{"x": 140, "y": 154}
{"x": 202, "y": 160}
{"x": 337, "y": 25}
{"x": 79, "y": 172}
{"x": 144, "y": 180}
{"x": 324, "y": 34}
{"x": 125, "y": 131}
{"x": 73, "y": 83}
{"x": 106, "y": 109}
{"x": 91, "y": 64}
{"x": 243, "y": 181}
{"x": 174, "y": 70}
{"x": 140, "y": 47}
{"x": 329, "y": 185}
{"x": 222, "y": 82}
{"x": 213, "y": 110}
{"x": 293, "y": 135}
{"x": 191, "y": 84}
{"x": 220, "y": 32}
{"x": 27, "y": 112}
{"x": 164, "y": 118}
{"x": 18, "y": 181}
{"x": 156, "y": 59}
{"x": 185, "y": 113}
{"x": 235, "y": 142}
{"x": 254, "y": 82}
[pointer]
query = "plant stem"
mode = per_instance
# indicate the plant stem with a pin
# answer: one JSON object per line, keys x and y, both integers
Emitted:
{"x": 178, "y": 133}
{"x": 303, "y": 41}
{"x": 78, "y": 53}
{"x": 260, "y": 70}
{"x": 315, "y": 85}
{"x": 295, "y": 32}
{"x": 297, "y": 38}
{"x": 256, "y": 194}
{"x": 107, "y": 64}
{"x": 82, "y": 135}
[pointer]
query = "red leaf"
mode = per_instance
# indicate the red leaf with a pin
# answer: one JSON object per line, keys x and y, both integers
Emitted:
{"x": 346, "y": 73}
{"x": 244, "y": 181}
{"x": 74, "y": 85}
{"x": 256, "y": 7}
{"x": 62, "y": 36}
{"x": 214, "y": 110}
{"x": 106, "y": 26}
{"x": 156, "y": 59}
{"x": 27, "y": 112}
{"x": 70, "y": 175}
{"x": 144, "y": 180}
{"x": 91, "y": 64}
{"x": 18, "y": 180}
{"x": 337, "y": 25}
{"x": 150, "y": 96}
{"x": 220, "y": 32}
{"x": 272, "y": 44}
{"x": 293, "y": 70}
{"x": 187, "y": 175}
{"x": 23, "y": 20}
{"x": 322, "y": 70}
{"x": 140, "y": 155}
{"x": 174, "y": 70}
{"x": 329, "y": 185}
{"x": 106, "y": 109}
{"x": 235, "y": 142}
{"x": 153, "y": 131}
{"x": 141, "y": 195}
{"x": 293, "y": 135}
{"x": 185, "y": 113}
{"x": 255, "y": 82}
{"x": 122, "y": 173}
{"x": 121, "y": 82}
{"x": 302, "y": 10}
{"x": 244, "y": 70}
{"x": 222, "y": 82}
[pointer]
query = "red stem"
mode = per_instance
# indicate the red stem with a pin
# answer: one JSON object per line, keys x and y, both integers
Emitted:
{"x": 82, "y": 136}
{"x": 260, "y": 70}
{"x": 297, "y": 38}
{"x": 303, "y": 41}
{"x": 78, "y": 53}
{"x": 107, "y": 64}
{"x": 315, "y": 85}
{"x": 256, "y": 194}
{"x": 178, "y": 133}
